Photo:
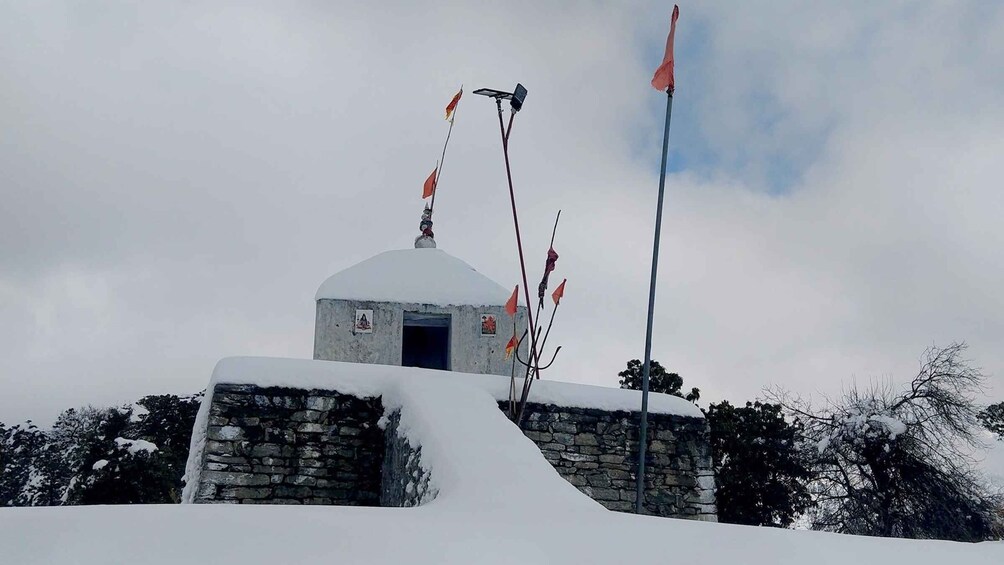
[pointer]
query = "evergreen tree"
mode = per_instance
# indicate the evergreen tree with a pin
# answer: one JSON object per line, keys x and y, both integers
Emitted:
{"x": 20, "y": 473}
{"x": 760, "y": 477}
{"x": 119, "y": 471}
{"x": 168, "y": 424}
{"x": 658, "y": 380}
{"x": 122, "y": 455}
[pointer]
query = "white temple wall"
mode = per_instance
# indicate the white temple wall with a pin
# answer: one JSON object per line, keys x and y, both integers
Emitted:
{"x": 335, "y": 338}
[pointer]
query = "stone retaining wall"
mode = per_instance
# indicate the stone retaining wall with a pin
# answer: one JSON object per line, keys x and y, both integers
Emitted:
{"x": 291, "y": 446}
{"x": 597, "y": 451}
{"x": 295, "y": 446}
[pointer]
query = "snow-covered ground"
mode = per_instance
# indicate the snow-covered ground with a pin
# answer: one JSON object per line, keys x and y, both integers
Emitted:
{"x": 438, "y": 533}
{"x": 499, "y": 501}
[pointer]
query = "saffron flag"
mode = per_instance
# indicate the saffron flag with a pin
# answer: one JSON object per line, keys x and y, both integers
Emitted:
{"x": 549, "y": 264}
{"x": 663, "y": 79}
{"x": 430, "y": 185}
{"x": 510, "y": 305}
{"x": 452, "y": 106}
{"x": 511, "y": 346}
{"x": 559, "y": 292}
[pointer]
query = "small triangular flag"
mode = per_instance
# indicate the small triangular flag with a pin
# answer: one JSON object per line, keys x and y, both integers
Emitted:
{"x": 510, "y": 305}
{"x": 430, "y": 185}
{"x": 451, "y": 108}
{"x": 558, "y": 292}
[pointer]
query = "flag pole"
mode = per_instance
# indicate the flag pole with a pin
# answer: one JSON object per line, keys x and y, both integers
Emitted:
{"x": 534, "y": 356}
{"x": 643, "y": 427}
{"x": 442, "y": 160}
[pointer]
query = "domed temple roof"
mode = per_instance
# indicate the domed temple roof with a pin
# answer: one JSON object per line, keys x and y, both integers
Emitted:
{"x": 420, "y": 276}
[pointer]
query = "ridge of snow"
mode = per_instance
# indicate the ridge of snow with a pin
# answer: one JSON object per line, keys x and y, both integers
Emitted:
{"x": 417, "y": 276}
{"x": 486, "y": 462}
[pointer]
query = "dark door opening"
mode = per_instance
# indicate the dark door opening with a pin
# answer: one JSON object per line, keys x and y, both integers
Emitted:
{"x": 425, "y": 341}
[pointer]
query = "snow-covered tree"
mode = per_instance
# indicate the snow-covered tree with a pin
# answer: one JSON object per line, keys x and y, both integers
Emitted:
{"x": 23, "y": 478}
{"x": 899, "y": 463}
{"x": 992, "y": 418}
{"x": 119, "y": 455}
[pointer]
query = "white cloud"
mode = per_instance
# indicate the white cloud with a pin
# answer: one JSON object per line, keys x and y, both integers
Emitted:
{"x": 179, "y": 180}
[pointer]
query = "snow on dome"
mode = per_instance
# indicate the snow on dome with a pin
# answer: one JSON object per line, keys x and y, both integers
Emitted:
{"x": 420, "y": 276}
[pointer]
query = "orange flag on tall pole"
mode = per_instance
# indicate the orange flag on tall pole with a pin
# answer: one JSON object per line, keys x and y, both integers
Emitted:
{"x": 663, "y": 79}
{"x": 430, "y": 185}
{"x": 558, "y": 292}
{"x": 510, "y": 305}
{"x": 452, "y": 106}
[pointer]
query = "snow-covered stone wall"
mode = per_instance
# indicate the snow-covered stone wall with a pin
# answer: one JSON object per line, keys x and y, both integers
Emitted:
{"x": 597, "y": 451}
{"x": 291, "y": 446}
{"x": 284, "y": 445}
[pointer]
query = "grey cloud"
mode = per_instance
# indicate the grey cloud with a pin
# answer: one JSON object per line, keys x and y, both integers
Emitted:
{"x": 178, "y": 179}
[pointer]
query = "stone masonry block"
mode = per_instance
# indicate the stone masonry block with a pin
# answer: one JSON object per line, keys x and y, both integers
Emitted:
{"x": 233, "y": 479}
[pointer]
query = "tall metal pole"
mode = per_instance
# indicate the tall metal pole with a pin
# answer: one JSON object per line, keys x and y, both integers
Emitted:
{"x": 522, "y": 264}
{"x": 643, "y": 427}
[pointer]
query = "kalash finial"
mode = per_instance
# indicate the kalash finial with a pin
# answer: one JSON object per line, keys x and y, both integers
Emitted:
{"x": 426, "y": 240}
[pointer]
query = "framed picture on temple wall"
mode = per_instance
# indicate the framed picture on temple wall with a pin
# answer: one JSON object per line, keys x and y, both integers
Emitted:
{"x": 364, "y": 322}
{"x": 488, "y": 325}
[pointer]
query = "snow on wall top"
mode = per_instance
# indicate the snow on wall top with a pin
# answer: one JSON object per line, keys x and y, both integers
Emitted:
{"x": 374, "y": 380}
{"x": 420, "y": 276}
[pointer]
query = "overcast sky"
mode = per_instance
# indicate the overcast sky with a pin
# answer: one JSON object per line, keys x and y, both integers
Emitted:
{"x": 177, "y": 178}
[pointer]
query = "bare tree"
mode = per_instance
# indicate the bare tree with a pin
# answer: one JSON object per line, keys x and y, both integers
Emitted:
{"x": 899, "y": 463}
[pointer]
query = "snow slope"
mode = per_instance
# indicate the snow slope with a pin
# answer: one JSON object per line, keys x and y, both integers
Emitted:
{"x": 421, "y": 276}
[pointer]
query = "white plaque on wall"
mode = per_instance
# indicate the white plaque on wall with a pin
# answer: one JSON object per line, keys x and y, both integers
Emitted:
{"x": 364, "y": 322}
